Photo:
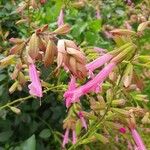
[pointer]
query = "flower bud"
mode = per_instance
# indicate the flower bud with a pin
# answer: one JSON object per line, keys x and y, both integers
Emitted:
{"x": 49, "y": 53}
{"x": 13, "y": 87}
{"x": 15, "y": 110}
{"x": 146, "y": 119}
{"x": 33, "y": 46}
{"x": 119, "y": 102}
{"x": 64, "y": 29}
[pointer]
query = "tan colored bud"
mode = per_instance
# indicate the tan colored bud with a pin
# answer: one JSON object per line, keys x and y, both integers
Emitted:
{"x": 81, "y": 70}
{"x": 16, "y": 49}
{"x": 21, "y": 7}
{"x": 121, "y": 111}
{"x": 34, "y": 4}
{"x": 72, "y": 65}
{"x": 70, "y": 44}
{"x": 13, "y": 87}
{"x": 33, "y": 46}
{"x": 118, "y": 102}
{"x": 123, "y": 32}
{"x": 128, "y": 75}
{"x": 19, "y": 87}
{"x": 15, "y": 73}
{"x": 7, "y": 61}
{"x": 15, "y": 110}
{"x": 78, "y": 55}
{"x": 109, "y": 95}
{"x": 44, "y": 28}
{"x": 64, "y": 29}
{"x": 143, "y": 26}
{"x": 21, "y": 21}
{"x": 49, "y": 53}
{"x": 21, "y": 78}
{"x": 62, "y": 55}
{"x": 79, "y": 4}
{"x": 42, "y": 44}
{"x": 146, "y": 119}
{"x": 113, "y": 76}
{"x": 16, "y": 40}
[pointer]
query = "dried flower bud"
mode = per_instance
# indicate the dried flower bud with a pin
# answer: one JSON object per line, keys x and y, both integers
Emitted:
{"x": 21, "y": 78}
{"x": 49, "y": 53}
{"x": 34, "y": 4}
{"x": 16, "y": 49}
{"x": 16, "y": 40}
{"x": 123, "y": 32}
{"x": 33, "y": 46}
{"x": 146, "y": 119}
{"x": 143, "y": 26}
{"x": 64, "y": 29}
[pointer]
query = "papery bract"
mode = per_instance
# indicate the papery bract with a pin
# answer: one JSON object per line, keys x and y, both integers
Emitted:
{"x": 35, "y": 86}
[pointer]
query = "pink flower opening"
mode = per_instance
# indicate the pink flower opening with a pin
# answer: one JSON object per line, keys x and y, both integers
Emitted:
{"x": 35, "y": 86}
{"x": 82, "y": 120}
{"x": 60, "y": 20}
{"x": 122, "y": 130}
{"x": 71, "y": 87}
{"x": 137, "y": 139}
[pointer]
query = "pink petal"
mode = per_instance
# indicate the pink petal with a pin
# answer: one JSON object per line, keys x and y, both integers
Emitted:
{"x": 74, "y": 138}
{"x": 98, "y": 62}
{"x": 60, "y": 20}
{"x": 138, "y": 140}
{"x": 35, "y": 86}
{"x": 66, "y": 137}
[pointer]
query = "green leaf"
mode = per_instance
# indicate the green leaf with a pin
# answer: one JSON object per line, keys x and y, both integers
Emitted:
{"x": 4, "y": 136}
{"x": 29, "y": 144}
{"x": 46, "y": 133}
{"x": 95, "y": 25}
{"x": 91, "y": 37}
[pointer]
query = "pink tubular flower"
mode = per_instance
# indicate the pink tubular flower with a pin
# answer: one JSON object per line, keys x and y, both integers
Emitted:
{"x": 82, "y": 120}
{"x": 66, "y": 137}
{"x": 60, "y": 20}
{"x": 72, "y": 86}
{"x": 74, "y": 138}
{"x": 137, "y": 139}
{"x": 98, "y": 62}
{"x": 122, "y": 130}
{"x": 35, "y": 86}
{"x": 90, "y": 85}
